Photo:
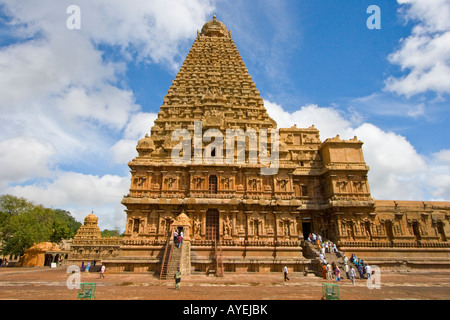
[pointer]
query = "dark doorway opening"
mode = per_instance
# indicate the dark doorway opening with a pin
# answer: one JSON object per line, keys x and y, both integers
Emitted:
{"x": 416, "y": 230}
{"x": 212, "y": 224}
{"x": 389, "y": 230}
{"x": 306, "y": 225}
{"x": 48, "y": 260}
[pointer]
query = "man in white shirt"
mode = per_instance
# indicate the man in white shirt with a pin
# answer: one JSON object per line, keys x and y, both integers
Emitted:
{"x": 346, "y": 268}
{"x": 352, "y": 274}
{"x": 285, "y": 270}
{"x": 368, "y": 271}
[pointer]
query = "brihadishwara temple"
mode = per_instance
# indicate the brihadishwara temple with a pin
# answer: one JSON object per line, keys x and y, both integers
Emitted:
{"x": 235, "y": 216}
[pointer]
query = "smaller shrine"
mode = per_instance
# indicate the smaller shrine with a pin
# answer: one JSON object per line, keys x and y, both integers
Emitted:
{"x": 44, "y": 254}
{"x": 88, "y": 244}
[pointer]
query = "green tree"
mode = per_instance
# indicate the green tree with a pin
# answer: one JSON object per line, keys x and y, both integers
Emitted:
{"x": 23, "y": 223}
{"x": 11, "y": 206}
{"x": 25, "y": 229}
{"x": 111, "y": 233}
{"x": 64, "y": 225}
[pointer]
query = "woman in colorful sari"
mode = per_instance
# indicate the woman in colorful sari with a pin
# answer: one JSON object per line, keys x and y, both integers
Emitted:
{"x": 337, "y": 273}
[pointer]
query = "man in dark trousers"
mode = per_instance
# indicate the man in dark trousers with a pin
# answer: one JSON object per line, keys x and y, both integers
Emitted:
{"x": 285, "y": 270}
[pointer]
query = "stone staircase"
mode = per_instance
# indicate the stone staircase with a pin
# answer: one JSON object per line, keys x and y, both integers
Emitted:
{"x": 311, "y": 252}
{"x": 174, "y": 261}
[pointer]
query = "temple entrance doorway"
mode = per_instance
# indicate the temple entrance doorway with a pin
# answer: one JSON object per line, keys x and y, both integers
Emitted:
{"x": 212, "y": 224}
{"x": 416, "y": 230}
{"x": 389, "y": 230}
{"x": 306, "y": 226}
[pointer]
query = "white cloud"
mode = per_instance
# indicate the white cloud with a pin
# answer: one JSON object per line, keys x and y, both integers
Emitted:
{"x": 329, "y": 121}
{"x": 140, "y": 124}
{"x": 424, "y": 54}
{"x": 156, "y": 29}
{"x": 80, "y": 194}
{"x": 23, "y": 158}
{"x": 442, "y": 157}
{"x": 397, "y": 170}
{"x": 60, "y": 88}
{"x": 439, "y": 176}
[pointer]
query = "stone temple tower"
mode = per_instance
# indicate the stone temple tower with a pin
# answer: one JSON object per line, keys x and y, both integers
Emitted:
{"x": 235, "y": 217}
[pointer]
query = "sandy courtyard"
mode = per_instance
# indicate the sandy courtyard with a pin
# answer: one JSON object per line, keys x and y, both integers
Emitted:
{"x": 43, "y": 283}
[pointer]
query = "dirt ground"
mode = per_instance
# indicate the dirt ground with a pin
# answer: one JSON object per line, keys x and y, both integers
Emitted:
{"x": 43, "y": 283}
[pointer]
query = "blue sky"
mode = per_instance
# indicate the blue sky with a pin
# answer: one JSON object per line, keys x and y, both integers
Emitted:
{"x": 75, "y": 102}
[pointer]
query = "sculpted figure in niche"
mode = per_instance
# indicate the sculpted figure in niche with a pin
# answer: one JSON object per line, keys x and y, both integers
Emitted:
{"x": 227, "y": 226}
{"x": 270, "y": 223}
{"x": 170, "y": 182}
{"x": 286, "y": 228}
{"x": 197, "y": 226}
{"x": 198, "y": 182}
{"x": 357, "y": 228}
{"x": 283, "y": 184}
{"x": 226, "y": 183}
{"x": 350, "y": 231}
{"x": 241, "y": 222}
{"x": 343, "y": 229}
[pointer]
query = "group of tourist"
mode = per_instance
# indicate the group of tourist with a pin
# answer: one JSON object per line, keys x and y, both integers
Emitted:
{"x": 323, "y": 246}
{"x": 85, "y": 268}
{"x": 88, "y": 266}
{"x": 363, "y": 268}
{"x": 332, "y": 271}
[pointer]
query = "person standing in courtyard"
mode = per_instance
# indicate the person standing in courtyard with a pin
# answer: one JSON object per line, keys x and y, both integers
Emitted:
{"x": 329, "y": 272}
{"x": 177, "y": 277}
{"x": 102, "y": 271}
{"x": 368, "y": 271}
{"x": 361, "y": 271}
{"x": 346, "y": 268}
{"x": 285, "y": 270}
{"x": 337, "y": 273}
{"x": 352, "y": 274}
